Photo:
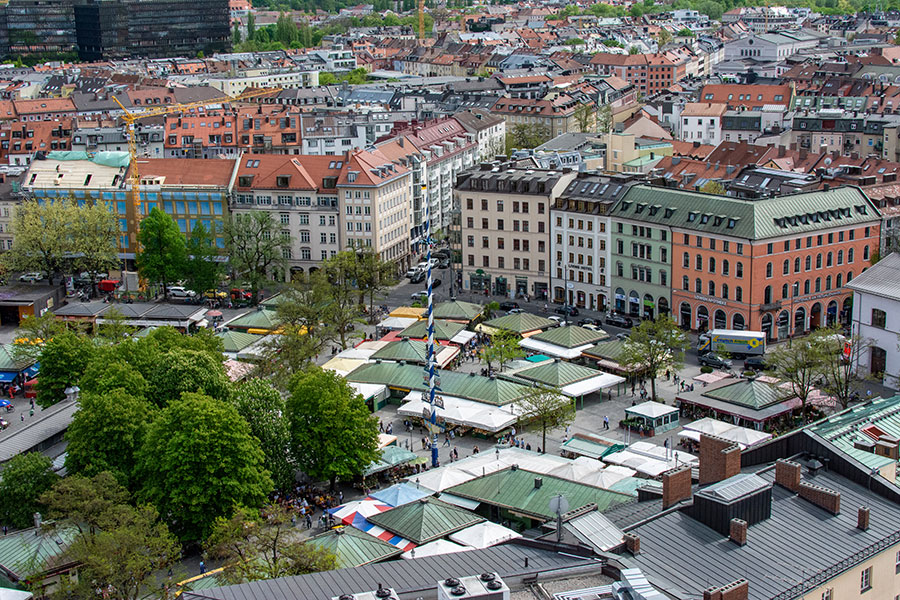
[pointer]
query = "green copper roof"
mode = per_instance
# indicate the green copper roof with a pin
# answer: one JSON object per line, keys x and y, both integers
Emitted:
{"x": 609, "y": 349}
{"x": 8, "y": 361}
{"x": 425, "y": 520}
{"x": 862, "y": 423}
{"x": 235, "y": 341}
{"x": 443, "y": 330}
{"x": 414, "y": 351}
{"x": 570, "y": 336}
{"x": 794, "y": 214}
{"x": 557, "y": 373}
{"x": 456, "y": 310}
{"x": 261, "y": 318}
{"x": 591, "y": 446}
{"x": 460, "y": 385}
{"x": 751, "y": 393}
{"x": 23, "y": 553}
{"x": 520, "y": 323}
{"x": 354, "y": 548}
{"x": 516, "y": 491}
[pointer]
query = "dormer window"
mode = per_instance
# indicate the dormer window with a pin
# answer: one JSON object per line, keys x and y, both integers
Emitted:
{"x": 283, "y": 181}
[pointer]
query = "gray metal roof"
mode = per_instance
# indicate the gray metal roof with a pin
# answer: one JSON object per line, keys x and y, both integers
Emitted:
{"x": 735, "y": 487}
{"x": 405, "y": 576}
{"x": 45, "y": 424}
{"x": 596, "y": 530}
{"x": 881, "y": 279}
{"x": 800, "y": 547}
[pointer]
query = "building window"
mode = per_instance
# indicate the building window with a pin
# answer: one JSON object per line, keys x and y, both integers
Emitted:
{"x": 738, "y": 294}
{"x": 725, "y": 291}
{"x": 725, "y": 268}
{"x": 865, "y": 580}
{"x": 879, "y": 320}
{"x": 797, "y": 265}
{"x": 712, "y": 288}
{"x": 685, "y": 283}
{"x": 865, "y": 253}
{"x": 699, "y": 262}
{"x": 712, "y": 264}
{"x": 769, "y": 269}
{"x": 739, "y": 270}
{"x": 818, "y": 261}
{"x": 786, "y": 268}
{"x": 698, "y": 286}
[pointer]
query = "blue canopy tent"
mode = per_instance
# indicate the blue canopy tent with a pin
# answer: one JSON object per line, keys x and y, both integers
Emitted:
{"x": 400, "y": 494}
{"x": 7, "y": 377}
{"x": 32, "y": 370}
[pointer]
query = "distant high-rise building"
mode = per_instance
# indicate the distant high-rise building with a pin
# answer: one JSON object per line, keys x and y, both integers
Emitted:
{"x": 39, "y": 26}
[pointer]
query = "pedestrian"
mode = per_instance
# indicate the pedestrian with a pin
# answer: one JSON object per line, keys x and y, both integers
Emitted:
{"x": 308, "y": 521}
{"x": 5, "y": 530}
{"x": 632, "y": 389}
{"x": 341, "y": 496}
{"x": 668, "y": 375}
{"x": 528, "y": 447}
{"x": 390, "y": 429}
{"x": 31, "y": 413}
{"x": 380, "y": 426}
{"x": 446, "y": 441}
{"x": 202, "y": 567}
{"x": 539, "y": 450}
{"x": 606, "y": 422}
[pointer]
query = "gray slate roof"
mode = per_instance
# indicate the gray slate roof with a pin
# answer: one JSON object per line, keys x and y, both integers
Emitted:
{"x": 798, "y": 542}
{"x": 44, "y": 425}
{"x": 881, "y": 279}
{"x": 404, "y": 576}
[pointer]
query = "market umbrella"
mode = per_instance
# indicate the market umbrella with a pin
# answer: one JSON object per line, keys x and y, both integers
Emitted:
{"x": 214, "y": 314}
{"x": 441, "y": 479}
{"x": 400, "y": 494}
{"x": 573, "y": 471}
{"x": 357, "y": 510}
{"x": 5, "y": 403}
{"x": 484, "y": 535}
{"x": 395, "y": 455}
{"x": 434, "y": 548}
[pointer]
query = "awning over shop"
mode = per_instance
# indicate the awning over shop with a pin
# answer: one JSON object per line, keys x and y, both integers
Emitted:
{"x": 7, "y": 377}
{"x": 553, "y": 349}
{"x": 588, "y": 386}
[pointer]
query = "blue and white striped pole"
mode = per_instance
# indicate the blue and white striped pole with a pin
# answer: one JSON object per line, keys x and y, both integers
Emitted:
{"x": 431, "y": 361}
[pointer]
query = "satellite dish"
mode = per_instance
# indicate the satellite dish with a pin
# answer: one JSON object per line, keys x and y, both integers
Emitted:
{"x": 559, "y": 505}
{"x": 827, "y": 161}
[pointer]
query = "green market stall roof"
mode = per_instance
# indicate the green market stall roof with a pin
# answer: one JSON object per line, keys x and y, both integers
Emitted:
{"x": 865, "y": 424}
{"x": 425, "y": 520}
{"x": 10, "y": 363}
{"x": 414, "y": 351}
{"x": 455, "y": 310}
{"x": 520, "y": 323}
{"x": 407, "y": 378}
{"x": 235, "y": 341}
{"x": 354, "y": 548}
{"x": 570, "y": 336}
{"x": 27, "y": 552}
{"x": 261, "y": 318}
{"x": 443, "y": 330}
{"x": 517, "y": 490}
{"x": 556, "y": 373}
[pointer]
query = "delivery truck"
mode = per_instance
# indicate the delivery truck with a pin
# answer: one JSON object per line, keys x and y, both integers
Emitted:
{"x": 737, "y": 343}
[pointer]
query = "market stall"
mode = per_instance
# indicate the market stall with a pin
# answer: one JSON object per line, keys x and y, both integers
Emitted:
{"x": 651, "y": 417}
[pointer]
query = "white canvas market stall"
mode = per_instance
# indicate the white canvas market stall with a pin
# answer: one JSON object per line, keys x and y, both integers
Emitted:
{"x": 650, "y": 460}
{"x": 484, "y": 535}
{"x": 743, "y": 436}
{"x": 594, "y": 384}
{"x": 552, "y": 349}
{"x": 461, "y": 412}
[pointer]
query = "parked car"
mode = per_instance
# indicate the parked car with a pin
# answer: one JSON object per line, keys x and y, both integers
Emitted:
{"x": 515, "y": 311}
{"x": 565, "y": 309}
{"x": 557, "y": 320}
{"x": 623, "y": 336}
{"x": 755, "y": 363}
{"x": 419, "y": 277}
{"x": 588, "y": 321}
{"x": 109, "y": 285}
{"x": 215, "y": 294}
{"x": 711, "y": 359}
{"x": 85, "y": 278}
{"x": 592, "y": 327}
{"x": 508, "y": 305}
{"x": 240, "y": 295}
{"x": 435, "y": 283}
{"x": 619, "y": 321}
{"x": 412, "y": 272}
{"x": 31, "y": 277}
{"x": 420, "y": 295}
{"x": 443, "y": 264}
{"x": 177, "y": 291}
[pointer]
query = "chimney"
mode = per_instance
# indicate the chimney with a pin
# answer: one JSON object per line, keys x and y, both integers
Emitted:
{"x": 538, "y": 482}
{"x": 803, "y": 153}
{"x": 862, "y": 518}
{"x": 632, "y": 543}
{"x": 676, "y": 486}
{"x": 738, "y": 532}
{"x": 821, "y": 497}
{"x": 886, "y": 448}
{"x": 736, "y": 590}
{"x": 787, "y": 474}
{"x": 781, "y": 151}
{"x": 719, "y": 459}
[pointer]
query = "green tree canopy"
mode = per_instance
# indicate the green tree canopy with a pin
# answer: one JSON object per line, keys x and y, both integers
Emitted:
{"x": 333, "y": 434}
{"x": 198, "y": 461}
{"x": 713, "y": 187}
{"x": 654, "y": 345}
{"x": 63, "y": 361}
{"x": 503, "y": 348}
{"x": 547, "y": 409}
{"x": 264, "y": 409}
{"x": 25, "y": 478}
{"x": 203, "y": 271}
{"x": 105, "y": 434}
{"x": 163, "y": 252}
{"x": 256, "y": 247}
{"x": 94, "y": 235}
{"x": 103, "y": 376}
{"x": 180, "y": 370}
{"x": 83, "y": 501}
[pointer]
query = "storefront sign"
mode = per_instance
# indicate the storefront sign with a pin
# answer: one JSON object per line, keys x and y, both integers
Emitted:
{"x": 710, "y": 300}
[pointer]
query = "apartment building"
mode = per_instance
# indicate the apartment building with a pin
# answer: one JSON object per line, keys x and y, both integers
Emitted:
{"x": 328, "y": 135}
{"x": 776, "y": 265}
{"x": 702, "y": 122}
{"x": 580, "y": 240}
{"x": 300, "y": 193}
{"x": 505, "y": 219}
{"x": 109, "y": 136}
{"x": 489, "y": 132}
{"x": 876, "y": 319}
{"x": 20, "y": 140}
{"x": 552, "y": 116}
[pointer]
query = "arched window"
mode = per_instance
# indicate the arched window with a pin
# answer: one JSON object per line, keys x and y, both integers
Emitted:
{"x": 725, "y": 268}
{"x": 767, "y": 295}
{"x": 739, "y": 270}
{"x": 806, "y": 287}
{"x": 850, "y": 255}
{"x": 808, "y": 263}
{"x": 725, "y": 291}
{"x": 712, "y": 288}
{"x": 712, "y": 264}
{"x": 699, "y": 262}
{"x": 797, "y": 265}
{"x": 619, "y": 269}
{"x": 686, "y": 260}
{"x": 829, "y": 259}
{"x": 768, "y": 270}
{"x": 839, "y": 280}
{"x": 818, "y": 261}
{"x": 818, "y": 284}
{"x": 865, "y": 253}
{"x": 784, "y": 291}
{"x": 828, "y": 283}
{"x": 739, "y": 294}
{"x": 698, "y": 286}
{"x": 840, "y": 257}
{"x": 849, "y": 276}
{"x": 685, "y": 283}
{"x": 786, "y": 268}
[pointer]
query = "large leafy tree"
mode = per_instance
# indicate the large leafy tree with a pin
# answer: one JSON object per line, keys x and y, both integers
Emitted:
{"x": 585, "y": 117}
{"x": 198, "y": 461}
{"x": 373, "y": 275}
{"x": 546, "y": 408}
{"x": 799, "y": 365}
{"x": 63, "y": 360}
{"x": 163, "y": 253}
{"x": 503, "y": 348}
{"x": 263, "y": 407}
{"x": 33, "y": 333}
{"x": 655, "y": 345}
{"x": 255, "y": 247}
{"x": 339, "y": 275}
{"x": 838, "y": 357}
{"x": 95, "y": 231}
{"x": 257, "y": 548}
{"x": 333, "y": 434}
{"x": 178, "y": 371}
{"x": 118, "y": 546}
{"x": 106, "y": 373}
{"x": 25, "y": 478}
{"x": 203, "y": 271}
{"x": 105, "y": 434}
{"x": 43, "y": 237}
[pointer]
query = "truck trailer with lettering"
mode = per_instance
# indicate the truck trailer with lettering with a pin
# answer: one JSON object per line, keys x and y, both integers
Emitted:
{"x": 735, "y": 342}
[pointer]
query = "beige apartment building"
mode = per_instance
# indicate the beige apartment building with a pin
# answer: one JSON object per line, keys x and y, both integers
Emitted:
{"x": 505, "y": 228}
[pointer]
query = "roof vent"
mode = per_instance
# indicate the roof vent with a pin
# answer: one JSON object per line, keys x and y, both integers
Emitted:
{"x": 451, "y": 582}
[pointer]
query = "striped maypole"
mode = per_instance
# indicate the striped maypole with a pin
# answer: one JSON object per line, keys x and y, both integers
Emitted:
{"x": 430, "y": 364}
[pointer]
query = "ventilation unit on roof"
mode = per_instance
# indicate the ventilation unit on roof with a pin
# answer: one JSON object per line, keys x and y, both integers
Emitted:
{"x": 487, "y": 586}
{"x": 745, "y": 496}
{"x": 382, "y": 593}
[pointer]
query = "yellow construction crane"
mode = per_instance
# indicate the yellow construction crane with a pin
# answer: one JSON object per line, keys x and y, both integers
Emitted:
{"x": 131, "y": 118}
{"x": 421, "y": 20}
